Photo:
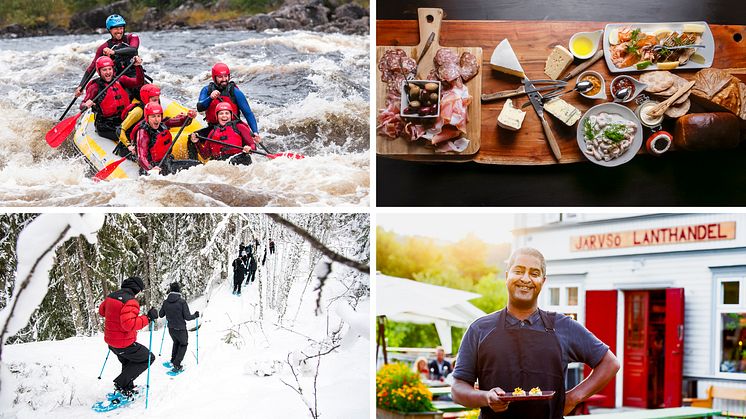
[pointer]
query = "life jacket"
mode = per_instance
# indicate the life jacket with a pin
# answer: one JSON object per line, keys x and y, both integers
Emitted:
{"x": 159, "y": 141}
{"x": 228, "y": 95}
{"x": 228, "y": 133}
{"x": 131, "y": 132}
{"x": 113, "y": 101}
{"x": 121, "y": 61}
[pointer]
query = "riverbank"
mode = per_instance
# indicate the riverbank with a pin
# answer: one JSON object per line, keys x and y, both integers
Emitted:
{"x": 328, "y": 16}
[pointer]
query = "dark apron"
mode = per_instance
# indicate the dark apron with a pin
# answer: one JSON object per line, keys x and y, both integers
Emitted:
{"x": 520, "y": 357}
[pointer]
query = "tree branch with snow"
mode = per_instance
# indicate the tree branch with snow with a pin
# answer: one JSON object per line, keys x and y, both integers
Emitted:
{"x": 35, "y": 251}
{"x": 334, "y": 256}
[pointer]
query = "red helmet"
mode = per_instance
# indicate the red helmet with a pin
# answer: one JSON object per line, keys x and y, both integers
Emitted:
{"x": 223, "y": 106}
{"x": 220, "y": 69}
{"x": 152, "y": 109}
{"x": 104, "y": 61}
{"x": 149, "y": 90}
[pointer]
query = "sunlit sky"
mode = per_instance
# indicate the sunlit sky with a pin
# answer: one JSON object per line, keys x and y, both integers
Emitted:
{"x": 491, "y": 228}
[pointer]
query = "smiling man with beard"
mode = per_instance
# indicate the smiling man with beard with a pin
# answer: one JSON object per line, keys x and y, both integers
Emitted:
{"x": 524, "y": 346}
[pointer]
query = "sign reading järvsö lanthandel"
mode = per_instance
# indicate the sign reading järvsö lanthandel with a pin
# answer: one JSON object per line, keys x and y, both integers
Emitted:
{"x": 655, "y": 236}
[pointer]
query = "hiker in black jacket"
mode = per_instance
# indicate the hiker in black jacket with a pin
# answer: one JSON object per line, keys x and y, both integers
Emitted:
{"x": 252, "y": 269}
{"x": 176, "y": 311}
{"x": 240, "y": 268}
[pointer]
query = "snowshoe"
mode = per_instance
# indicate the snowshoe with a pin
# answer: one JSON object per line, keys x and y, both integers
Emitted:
{"x": 168, "y": 364}
{"x": 175, "y": 371}
{"x": 118, "y": 400}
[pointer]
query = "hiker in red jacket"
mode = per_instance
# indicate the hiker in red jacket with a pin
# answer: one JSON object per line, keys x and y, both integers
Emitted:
{"x": 123, "y": 320}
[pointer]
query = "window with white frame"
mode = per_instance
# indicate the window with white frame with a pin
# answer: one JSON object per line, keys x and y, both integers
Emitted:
{"x": 730, "y": 308}
{"x": 564, "y": 298}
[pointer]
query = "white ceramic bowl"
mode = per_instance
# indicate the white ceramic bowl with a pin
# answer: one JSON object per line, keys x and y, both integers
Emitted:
{"x": 639, "y": 87}
{"x": 405, "y": 99}
{"x": 601, "y": 93}
{"x": 626, "y": 113}
{"x": 594, "y": 37}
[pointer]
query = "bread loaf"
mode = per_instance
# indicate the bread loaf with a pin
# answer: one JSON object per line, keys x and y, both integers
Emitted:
{"x": 717, "y": 90}
{"x": 707, "y": 131}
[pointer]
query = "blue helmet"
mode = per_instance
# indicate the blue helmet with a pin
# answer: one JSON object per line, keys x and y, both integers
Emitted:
{"x": 114, "y": 21}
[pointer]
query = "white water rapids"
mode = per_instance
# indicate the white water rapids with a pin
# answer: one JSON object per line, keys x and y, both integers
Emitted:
{"x": 308, "y": 91}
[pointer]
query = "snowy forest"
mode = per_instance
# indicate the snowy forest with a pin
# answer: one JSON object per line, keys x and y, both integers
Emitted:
{"x": 281, "y": 348}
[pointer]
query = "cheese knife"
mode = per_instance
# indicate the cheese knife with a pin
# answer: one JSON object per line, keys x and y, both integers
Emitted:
{"x": 536, "y": 100}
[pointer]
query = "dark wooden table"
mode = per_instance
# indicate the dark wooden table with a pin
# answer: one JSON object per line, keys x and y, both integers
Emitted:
{"x": 677, "y": 179}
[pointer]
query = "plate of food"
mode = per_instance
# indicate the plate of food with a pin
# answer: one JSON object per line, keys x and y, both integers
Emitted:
{"x": 609, "y": 134}
{"x": 521, "y": 395}
{"x": 658, "y": 46}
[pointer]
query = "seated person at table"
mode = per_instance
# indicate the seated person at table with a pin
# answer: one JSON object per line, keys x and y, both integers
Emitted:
{"x": 439, "y": 367}
{"x": 420, "y": 367}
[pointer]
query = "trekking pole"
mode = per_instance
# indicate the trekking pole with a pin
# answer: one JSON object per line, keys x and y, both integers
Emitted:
{"x": 197, "y": 325}
{"x": 147, "y": 384}
{"x": 163, "y": 337}
{"x": 102, "y": 367}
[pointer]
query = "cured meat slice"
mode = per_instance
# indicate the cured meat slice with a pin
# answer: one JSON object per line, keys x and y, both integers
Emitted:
{"x": 468, "y": 66}
{"x": 446, "y": 64}
{"x": 396, "y": 64}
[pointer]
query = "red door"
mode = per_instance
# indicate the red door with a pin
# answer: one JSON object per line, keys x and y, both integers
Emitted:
{"x": 635, "y": 377}
{"x": 600, "y": 319}
{"x": 674, "y": 347}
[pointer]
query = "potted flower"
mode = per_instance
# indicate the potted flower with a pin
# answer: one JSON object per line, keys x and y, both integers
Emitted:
{"x": 401, "y": 394}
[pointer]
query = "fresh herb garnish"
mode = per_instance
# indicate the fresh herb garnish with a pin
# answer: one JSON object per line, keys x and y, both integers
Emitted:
{"x": 633, "y": 38}
{"x": 590, "y": 133}
{"x": 615, "y": 132}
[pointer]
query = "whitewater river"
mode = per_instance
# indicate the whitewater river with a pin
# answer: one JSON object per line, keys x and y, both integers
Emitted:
{"x": 309, "y": 92}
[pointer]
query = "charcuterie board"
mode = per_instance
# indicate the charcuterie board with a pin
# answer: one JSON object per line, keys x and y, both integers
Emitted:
{"x": 430, "y": 22}
{"x": 532, "y": 42}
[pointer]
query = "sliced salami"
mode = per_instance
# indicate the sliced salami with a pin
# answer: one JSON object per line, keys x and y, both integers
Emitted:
{"x": 468, "y": 66}
{"x": 446, "y": 64}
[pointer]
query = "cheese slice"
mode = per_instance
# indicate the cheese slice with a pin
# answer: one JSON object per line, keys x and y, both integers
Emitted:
{"x": 557, "y": 62}
{"x": 563, "y": 111}
{"x": 510, "y": 118}
{"x": 504, "y": 60}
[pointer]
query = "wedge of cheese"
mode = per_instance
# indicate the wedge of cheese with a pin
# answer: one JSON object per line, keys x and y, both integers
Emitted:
{"x": 510, "y": 117}
{"x": 557, "y": 62}
{"x": 563, "y": 111}
{"x": 504, "y": 60}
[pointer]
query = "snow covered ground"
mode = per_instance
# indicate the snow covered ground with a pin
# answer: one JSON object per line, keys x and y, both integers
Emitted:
{"x": 58, "y": 379}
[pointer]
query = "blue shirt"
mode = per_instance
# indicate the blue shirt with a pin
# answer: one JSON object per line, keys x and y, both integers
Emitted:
{"x": 243, "y": 105}
{"x": 577, "y": 343}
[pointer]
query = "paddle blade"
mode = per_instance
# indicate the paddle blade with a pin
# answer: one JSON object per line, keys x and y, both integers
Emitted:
{"x": 109, "y": 169}
{"x": 59, "y": 133}
{"x": 286, "y": 154}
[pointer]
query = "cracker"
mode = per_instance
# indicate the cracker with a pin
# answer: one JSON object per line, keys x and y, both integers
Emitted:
{"x": 678, "y": 111}
{"x": 657, "y": 81}
{"x": 677, "y": 83}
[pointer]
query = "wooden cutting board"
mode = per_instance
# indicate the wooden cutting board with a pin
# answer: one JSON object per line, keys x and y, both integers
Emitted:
{"x": 430, "y": 22}
{"x": 532, "y": 42}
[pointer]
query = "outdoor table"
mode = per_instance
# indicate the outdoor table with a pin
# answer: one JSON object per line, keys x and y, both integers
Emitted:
{"x": 668, "y": 413}
{"x": 440, "y": 391}
{"x": 446, "y": 406}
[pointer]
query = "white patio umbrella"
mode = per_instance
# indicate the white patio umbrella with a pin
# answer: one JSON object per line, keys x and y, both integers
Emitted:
{"x": 405, "y": 300}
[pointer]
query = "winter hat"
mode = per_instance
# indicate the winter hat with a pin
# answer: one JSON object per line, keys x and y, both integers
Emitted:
{"x": 174, "y": 287}
{"x": 134, "y": 283}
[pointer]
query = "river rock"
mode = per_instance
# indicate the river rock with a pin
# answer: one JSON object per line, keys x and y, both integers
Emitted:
{"x": 96, "y": 18}
{"x": 350, "y": 10}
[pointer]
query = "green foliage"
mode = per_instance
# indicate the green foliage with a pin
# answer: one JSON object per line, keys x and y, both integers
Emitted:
{"x": 411, "y": 335}
{"x": 255, "y": 6}
{"x": 494, "y": 294}
{"x": 469, "y": 264}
